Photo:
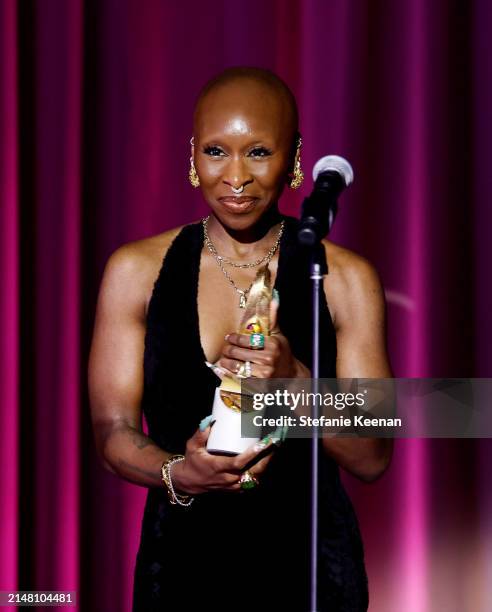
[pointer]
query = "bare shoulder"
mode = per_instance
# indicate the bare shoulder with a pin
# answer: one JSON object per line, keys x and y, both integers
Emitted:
{"x": 132, "y": 268}
{"x": 353, "y": 284}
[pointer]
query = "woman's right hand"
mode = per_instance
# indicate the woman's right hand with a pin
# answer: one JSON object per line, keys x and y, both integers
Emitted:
{"x": 201, "y": 471}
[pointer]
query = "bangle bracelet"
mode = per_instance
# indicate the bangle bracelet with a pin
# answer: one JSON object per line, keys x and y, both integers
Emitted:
{"x": 174, "y": 498}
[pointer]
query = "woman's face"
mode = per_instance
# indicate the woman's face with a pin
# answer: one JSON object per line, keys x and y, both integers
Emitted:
{"x": 242, "y": 137}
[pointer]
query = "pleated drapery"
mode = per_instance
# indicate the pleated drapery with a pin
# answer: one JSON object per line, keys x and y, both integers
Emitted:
{"x": 96, "y": 101}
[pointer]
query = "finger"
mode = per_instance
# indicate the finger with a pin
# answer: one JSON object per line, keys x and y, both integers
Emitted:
{"x": 262, "y": 356}
{"x": 259, "y": 467}
{"x": 235, "y": 488}
{"x": 231, "y": 365}
{"x": 257, "y": 370}
{"x": 200, "y": 437}
{"x": 240, "y": 340}
{"x": 216, "y": 369}
{"x": 248, "y": 456}
{"x": 228, "y": 478}
{"x": 274, "y": 304}
{"x": 269, "y": 443}
{"x": 205, "y": 423}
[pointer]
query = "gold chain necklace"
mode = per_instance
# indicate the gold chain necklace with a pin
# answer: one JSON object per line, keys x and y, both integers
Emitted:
{"x": 243, "y": 293}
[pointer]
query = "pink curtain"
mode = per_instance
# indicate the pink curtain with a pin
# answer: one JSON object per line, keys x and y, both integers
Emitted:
{"x": 95, "y": 113}
{"x": 9, "y": 298}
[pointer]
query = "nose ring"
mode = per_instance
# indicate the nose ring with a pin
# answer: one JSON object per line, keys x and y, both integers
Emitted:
{"x": 237, "y": 190}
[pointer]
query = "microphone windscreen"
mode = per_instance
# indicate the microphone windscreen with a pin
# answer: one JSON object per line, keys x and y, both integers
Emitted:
{"x": 334, "y": 163}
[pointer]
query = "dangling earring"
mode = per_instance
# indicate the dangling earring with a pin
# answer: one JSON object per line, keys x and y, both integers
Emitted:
{"x": 298, "y": 174}
{"x": 192, "y": 175}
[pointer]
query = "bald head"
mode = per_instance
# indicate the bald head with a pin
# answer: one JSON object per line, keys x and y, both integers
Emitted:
{"x": 249, "y": 85}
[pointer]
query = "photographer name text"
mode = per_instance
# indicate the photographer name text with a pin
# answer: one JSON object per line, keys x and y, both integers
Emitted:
{"x": 307, "y": 421}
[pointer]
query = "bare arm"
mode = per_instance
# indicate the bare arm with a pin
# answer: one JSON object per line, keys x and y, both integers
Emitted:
{"x": 116, "y": 374}
{"x": 355, "y": 294}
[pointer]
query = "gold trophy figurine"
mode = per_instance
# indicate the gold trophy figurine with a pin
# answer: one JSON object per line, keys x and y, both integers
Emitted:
{"x": 225, "y": 436}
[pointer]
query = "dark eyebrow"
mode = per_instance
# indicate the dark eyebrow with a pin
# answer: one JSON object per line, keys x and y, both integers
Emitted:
{"x": 216, "y": 142}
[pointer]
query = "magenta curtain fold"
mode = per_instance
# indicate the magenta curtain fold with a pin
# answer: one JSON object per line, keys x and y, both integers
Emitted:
{"x": 57, "y": 277}
{"x": 96, "y": 101}
{"x": 41, "y": 445}
{"x": 9, "y": 297}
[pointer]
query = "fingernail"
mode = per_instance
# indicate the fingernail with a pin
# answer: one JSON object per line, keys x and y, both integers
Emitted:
{"x": 226, "y": 337}
{"x": 279, "y": 435}
{"x": 262, "y": 443}
{"x": 217, "y": 370}
{"x": 276, "y": 296}
{"x": 204, "y": 423}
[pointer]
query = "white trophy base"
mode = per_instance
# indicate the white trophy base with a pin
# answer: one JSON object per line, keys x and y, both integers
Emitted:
{"x": 225, "y": 435}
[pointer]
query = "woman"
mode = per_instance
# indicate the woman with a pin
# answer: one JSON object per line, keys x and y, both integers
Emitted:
{"x": 172, "y": 302}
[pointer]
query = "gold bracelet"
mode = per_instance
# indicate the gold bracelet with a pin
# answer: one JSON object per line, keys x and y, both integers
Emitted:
{"x": 174, "y": 498}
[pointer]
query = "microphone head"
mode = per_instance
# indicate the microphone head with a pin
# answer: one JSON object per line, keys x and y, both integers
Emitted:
{"x": 334, "y": 163}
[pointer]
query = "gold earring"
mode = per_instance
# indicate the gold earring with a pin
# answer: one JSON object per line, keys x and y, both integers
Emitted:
{"x": 192, "y": 175}
{"x": 298, "y": 174}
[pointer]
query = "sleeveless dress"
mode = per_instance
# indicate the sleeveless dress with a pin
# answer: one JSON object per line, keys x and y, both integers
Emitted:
{"x": 247, "y": 551}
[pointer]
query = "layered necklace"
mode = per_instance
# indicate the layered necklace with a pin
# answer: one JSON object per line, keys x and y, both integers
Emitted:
{"x": 222, "y": 261}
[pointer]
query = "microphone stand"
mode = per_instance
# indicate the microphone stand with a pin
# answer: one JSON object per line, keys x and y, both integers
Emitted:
{"x": 313, "y": 227}
{"x": 331, "y": 175}
{"x": 318, "y": 269}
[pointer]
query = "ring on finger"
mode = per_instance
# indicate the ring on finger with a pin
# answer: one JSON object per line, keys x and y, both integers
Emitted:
{"x": 244, "y": 370}
{"x": 248, "y": 480}
{"x": 247, "y": 369}
{"x": 257, "y": 341}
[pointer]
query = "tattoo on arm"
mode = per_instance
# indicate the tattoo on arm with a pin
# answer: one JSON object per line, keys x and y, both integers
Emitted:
{"x": 138, "y": 470}
{"x": 139, "y": 439}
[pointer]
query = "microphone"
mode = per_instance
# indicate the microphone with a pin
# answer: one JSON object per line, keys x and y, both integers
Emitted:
{"x": 331, "y": 175}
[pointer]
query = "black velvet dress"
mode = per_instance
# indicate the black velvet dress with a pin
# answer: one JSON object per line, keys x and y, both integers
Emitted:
{"x": 247, "y": 551}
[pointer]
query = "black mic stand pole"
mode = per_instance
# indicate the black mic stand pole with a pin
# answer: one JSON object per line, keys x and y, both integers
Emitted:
{"x": 318, "y": 270}
{"x": 310, "y": 234}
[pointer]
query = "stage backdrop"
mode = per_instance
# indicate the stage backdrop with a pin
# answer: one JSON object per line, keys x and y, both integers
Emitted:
{"x": 96, "y": 101}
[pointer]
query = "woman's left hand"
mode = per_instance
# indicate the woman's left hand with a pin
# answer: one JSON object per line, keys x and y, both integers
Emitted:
{"x": 275, "y": 360}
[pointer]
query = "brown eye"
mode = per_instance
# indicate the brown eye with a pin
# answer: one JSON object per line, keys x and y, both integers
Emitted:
{"x": 213, "y": 151}
{"x": 259, "y": 152}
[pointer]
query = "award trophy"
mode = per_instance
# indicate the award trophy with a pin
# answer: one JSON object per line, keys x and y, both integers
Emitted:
{"x": 225, "y": 436}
